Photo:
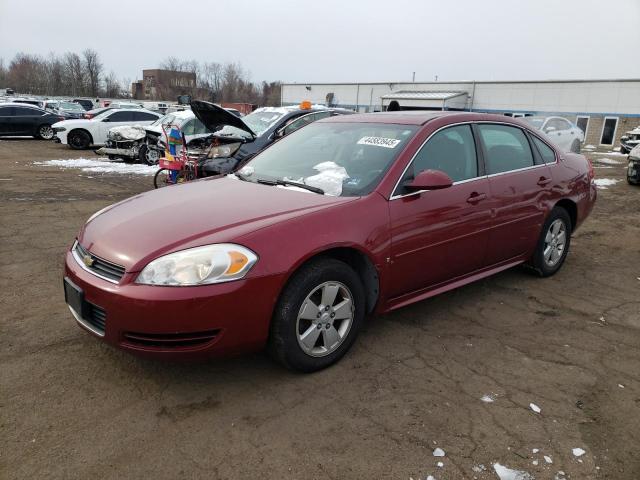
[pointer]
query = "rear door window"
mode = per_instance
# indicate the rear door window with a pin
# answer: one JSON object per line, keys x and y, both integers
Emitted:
{"x": 25, "y": 112}
{"x": 121, "y": 117}
{"x": 506, "y": 148}
{"x": 144, "y": 116}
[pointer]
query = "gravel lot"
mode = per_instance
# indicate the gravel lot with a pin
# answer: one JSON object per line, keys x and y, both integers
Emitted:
{"x": 71, "y": 407}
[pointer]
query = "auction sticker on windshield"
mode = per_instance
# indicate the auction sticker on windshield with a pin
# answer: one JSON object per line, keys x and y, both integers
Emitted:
{"x": 379, "y": 142}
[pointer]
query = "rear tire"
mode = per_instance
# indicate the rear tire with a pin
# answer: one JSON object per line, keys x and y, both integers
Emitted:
{"x": 307, "y": 335}
{"x": 79, "y": 140}
{"x": 575, "y": 146}
{"x": 45, "y": 132}
{"x": 553, "y": 244}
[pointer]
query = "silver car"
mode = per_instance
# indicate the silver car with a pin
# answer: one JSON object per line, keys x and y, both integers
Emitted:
{"x": 565, "y": 135}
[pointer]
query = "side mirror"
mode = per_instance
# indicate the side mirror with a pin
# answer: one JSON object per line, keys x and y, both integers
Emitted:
{"x": 106, "y": 120}
{"x": 430, "y": 180}
{"x": 279, "y": 133}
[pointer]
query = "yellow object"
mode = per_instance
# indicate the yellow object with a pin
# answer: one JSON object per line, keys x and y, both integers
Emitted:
{"x": 306, "y": 105}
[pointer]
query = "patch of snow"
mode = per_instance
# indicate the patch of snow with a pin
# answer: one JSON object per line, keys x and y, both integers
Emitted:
{"x": 479, "y": 468}
{"x": 535, "y": 450}
{"x": 578, "y": 452}
{"x": 440, "y": 464}
{"x": 604, "y": 183}
{"x": 607, "y": 161}
{"x": 535, "y": 407}
{"x": 488, "y": 398}
{"x": 612, "y": 154}
{"x": 535, "y": 462}
{"x": 438, "y": 452}
{"x": 430, "y": 477}
{"x": 101, "y": 165}
{"x": 559, "y": 476}
{"x": 505, "y": 473}
{"x": 589, "y": 147}
{"x": 548, "y": 459}
{"x": 620, "y": 385}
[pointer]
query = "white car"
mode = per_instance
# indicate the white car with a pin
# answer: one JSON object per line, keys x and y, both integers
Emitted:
{"x": 560, "y": 131}
{"x": 81, "y": 133}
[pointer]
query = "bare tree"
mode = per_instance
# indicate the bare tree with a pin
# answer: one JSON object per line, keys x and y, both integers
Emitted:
{"x": 171, "y": 63}
{"x": 93, "y": 71}
{"x": 112, "y": 86}
{"x": 74, "y": 74}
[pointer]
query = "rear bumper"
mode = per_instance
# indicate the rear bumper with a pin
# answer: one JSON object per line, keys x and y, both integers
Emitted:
{"x": 177, "y": 322}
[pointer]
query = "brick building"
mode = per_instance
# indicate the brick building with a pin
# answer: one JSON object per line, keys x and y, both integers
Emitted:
{"x": 603, "y": 109}
{"x": 157, "y": 84}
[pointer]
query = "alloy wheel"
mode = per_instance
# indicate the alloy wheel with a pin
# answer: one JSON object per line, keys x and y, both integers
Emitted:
{"x": 325, "y": 318}
{"x": 46, "y": 132}
{"x": 555, "y": 242}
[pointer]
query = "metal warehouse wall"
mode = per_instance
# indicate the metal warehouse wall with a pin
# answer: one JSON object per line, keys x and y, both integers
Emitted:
{"x": 617, "y": 97}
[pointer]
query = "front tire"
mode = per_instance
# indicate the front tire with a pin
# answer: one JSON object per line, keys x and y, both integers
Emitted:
{"x": 79, "y": 140}
{"x": 553, "y": 244}
{"x": 148, "y": 155}
{"x": 318, "y": 316}
{"x": 45, "y": 132}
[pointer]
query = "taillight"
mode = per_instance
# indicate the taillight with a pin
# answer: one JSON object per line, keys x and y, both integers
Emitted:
{"x": 60, "y": 119}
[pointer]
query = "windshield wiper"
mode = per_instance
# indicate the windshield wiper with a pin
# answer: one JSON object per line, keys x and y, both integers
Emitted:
{"x": 288, "y": 183}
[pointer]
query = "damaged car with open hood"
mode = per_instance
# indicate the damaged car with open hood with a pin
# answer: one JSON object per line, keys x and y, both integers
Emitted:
{"x": 234, "y": 140}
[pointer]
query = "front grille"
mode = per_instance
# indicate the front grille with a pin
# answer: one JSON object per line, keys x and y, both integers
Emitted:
{"x": 170, "y": 340}
{"x": 99, "y": 266}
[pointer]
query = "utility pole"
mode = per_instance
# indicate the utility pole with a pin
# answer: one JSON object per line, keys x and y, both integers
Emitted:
{"x": 436, "y": 78}
{"x": 414, "y": 77}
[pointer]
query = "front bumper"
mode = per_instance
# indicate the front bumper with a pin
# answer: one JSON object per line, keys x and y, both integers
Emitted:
{"x": 633, "y": 170}
{"x": 177, "y": 322}
{"x": 122, "y": 152}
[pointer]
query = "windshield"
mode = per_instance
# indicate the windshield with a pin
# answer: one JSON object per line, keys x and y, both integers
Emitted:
{"x": 342, "y": 159}
{"x": 261, "y": 121}
{"x": 167, "y": 119}
{"x": 71, "y": 106}
{"x": 535, "y": 122}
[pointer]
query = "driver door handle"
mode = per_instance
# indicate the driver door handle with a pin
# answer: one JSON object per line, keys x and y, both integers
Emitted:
{"x": 476, "y": 197}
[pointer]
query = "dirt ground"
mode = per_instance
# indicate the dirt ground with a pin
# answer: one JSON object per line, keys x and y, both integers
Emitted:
{"x": 72, "y": 407}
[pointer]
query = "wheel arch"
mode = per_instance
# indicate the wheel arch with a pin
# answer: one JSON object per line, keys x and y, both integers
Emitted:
{"x": 357, "y": 259}
{"x": 572, "y": 209}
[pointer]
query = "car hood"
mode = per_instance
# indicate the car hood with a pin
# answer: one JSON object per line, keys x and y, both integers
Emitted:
{"x": 214, "y": 117}
{"x": 139, "y": 229}
{"x": 73, "y": 123}
{"x": 127, "y": 132}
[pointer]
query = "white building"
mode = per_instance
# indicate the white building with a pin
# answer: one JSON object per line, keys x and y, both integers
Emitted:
{"x": 604, "y": 109}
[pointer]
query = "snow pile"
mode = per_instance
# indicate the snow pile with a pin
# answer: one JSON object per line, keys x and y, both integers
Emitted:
{"x": 607, "y": 161}
{"x": 329, "y": 178}
{"x": 488, "y": 398}
{"x": 604, "y": 183}
{"x": 535, "y": 408}
{"x": 505, "y": 473}
{"x": 101, "y": 165}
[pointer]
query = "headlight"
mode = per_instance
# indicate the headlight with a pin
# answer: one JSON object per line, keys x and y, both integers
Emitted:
{"x": 219, "y": 263}
{"x": 223, "y": 151}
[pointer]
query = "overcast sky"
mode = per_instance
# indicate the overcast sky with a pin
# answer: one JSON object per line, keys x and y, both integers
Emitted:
{"x": 341, "y": 40}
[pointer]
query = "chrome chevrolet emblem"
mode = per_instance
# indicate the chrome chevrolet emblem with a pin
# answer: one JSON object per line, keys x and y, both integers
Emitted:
{"x": 87, "y": 260}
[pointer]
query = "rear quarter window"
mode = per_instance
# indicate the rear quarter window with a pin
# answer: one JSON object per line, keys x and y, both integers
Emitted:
{"x": 546, "y": 152}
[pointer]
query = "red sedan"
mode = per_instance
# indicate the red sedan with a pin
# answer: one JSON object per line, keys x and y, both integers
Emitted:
{"x": 347, "y": 217}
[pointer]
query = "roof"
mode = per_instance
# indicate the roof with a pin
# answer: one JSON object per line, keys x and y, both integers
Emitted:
{"x": 469, "y": 82}
{"x": 422, "y": 95}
